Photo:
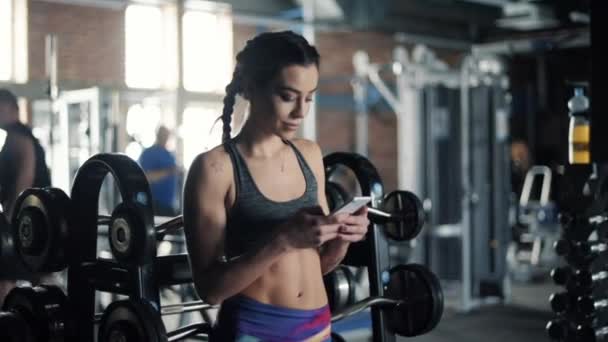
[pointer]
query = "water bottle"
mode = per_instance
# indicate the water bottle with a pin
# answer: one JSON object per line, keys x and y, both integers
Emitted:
{"x": 578, "y": 133}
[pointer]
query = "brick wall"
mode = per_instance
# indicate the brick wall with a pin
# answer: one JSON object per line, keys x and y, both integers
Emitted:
{"x": 91, "y": 51}
{"x": 90, "y": 41}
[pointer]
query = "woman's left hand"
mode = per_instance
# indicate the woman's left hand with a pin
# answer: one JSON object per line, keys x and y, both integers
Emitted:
{"x": 354, "y": 227}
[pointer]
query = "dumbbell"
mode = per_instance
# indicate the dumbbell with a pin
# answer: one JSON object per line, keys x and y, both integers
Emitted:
{"x": 583, "y": 250}
{"x": 582, "y": 278}
{"x": 561, "y": 301}
{"x": 559, "y": 329}
{"x": 34, "y": 314}
{"x": 39, "y": 228}
{"x": 588, "y": 333}
{"x": 412, "y": 301}
{"x": 125, "y": 239}
{"x": 400, "y": 211}
{"x": 10, "y": 266}
{"x": 588, "y": 306}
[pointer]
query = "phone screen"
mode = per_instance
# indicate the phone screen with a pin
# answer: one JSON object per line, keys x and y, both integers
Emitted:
{"x": 355, "y": 204}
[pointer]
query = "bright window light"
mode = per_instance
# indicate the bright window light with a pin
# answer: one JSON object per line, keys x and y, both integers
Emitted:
{"x": 207, "y": 50}
{"x": 144, "y": 47}
{"x": 6, "y": 39}
{"x": 142, "y": 122}
{"x": 198, "y": 132}
{"x": 2, "y": 138}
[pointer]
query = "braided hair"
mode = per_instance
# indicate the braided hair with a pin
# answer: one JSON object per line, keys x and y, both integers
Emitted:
{"x": 260, "y": 62}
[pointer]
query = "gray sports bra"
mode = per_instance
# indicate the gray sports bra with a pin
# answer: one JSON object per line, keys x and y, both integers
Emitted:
{"x": 253, "y": 215}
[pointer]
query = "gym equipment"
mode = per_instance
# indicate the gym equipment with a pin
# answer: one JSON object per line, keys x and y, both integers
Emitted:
{"x": 39, "y": 228}
{"x": 590, "y": 334}
{"x": 137, "y": 278}
{"x": 176, "y": 309}
{"x": 10, "y": 266}
{"x": 34, "y": 314}
{"x": 582, "y": 308}
{"x": 558, "y": 329}
{"x": 400, "y": 212}
{"x": 340, "y": 288}
{"x": 530, "y": 255}
{"x": 582, "y": 278}
{"x": 125, "y": 239}
{"x": 561, "y": 302}
{"x": 580, "y": 252}
{"x": 420, "y": 287}
{"x": 588, "y": 306}
{"x": 137, "y": 320}
{"x": 413, "y": 301}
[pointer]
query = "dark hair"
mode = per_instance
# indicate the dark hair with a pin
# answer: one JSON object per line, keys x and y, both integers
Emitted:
{"x": 260, "y": 62}
{"x": 6, "y": 96}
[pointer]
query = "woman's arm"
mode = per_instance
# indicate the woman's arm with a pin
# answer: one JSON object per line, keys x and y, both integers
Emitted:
{"x": 333, "y": 251}
{"x": 207, "y": 186}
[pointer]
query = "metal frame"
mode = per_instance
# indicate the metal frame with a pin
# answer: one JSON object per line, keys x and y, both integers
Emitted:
{"x": 86, "y": 273}
{"x": 413, "y": 74}
{"x": 377, "y": 244}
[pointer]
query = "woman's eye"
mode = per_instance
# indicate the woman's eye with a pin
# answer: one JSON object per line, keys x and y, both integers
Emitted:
{"x": 309, "y": 99}
{"x": 286, "y": 97}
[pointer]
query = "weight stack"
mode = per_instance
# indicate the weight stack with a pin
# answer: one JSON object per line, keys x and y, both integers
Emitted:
{"x": 582, "y": 307}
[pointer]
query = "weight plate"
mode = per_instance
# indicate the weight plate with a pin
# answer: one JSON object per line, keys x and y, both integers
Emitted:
{"x": 408, "y": 207}
{"x": 40, "y": 229}
{"x": 131, "y": 320}
{"x": 13, "y": 328}
{"x": 42, "y": 309}
{"x": 336, "y": 195}
{"x": 421, "y": 292}
{"x": 126, "y": 234}
{"x": 340, "y": 287}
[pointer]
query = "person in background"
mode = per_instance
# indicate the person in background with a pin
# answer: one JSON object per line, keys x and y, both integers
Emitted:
{"x": 22, "y": 166}
{"x": 161, "y": 171}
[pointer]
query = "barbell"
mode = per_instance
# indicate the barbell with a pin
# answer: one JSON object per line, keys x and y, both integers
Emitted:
{"x": 400, "y": 212}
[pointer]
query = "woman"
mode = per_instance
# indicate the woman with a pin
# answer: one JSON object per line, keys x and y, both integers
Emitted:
{"x": 255, "y": 209}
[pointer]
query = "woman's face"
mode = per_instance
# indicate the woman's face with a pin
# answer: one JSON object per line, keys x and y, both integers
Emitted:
{"x": 286, "y": 100}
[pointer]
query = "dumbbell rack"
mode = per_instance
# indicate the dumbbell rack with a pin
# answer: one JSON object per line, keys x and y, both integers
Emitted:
{"x": 410, "y": 283}
{"x": 581, "y": 309}
{"x": 87, "y": 274}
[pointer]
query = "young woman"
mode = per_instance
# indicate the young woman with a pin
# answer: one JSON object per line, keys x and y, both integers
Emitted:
{"x": 255, "y": 214}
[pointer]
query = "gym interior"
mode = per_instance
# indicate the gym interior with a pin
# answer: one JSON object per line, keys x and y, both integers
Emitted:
{"x": 477, "y": 127}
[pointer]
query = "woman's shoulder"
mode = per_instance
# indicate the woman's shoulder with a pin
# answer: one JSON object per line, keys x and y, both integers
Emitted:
{"x": 308, "y": 148}
{"x": 311, "y": 152}
{"x": 213, "y": 163}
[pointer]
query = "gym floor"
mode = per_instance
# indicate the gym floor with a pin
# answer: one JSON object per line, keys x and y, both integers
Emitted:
{"x": 522, "y": 319}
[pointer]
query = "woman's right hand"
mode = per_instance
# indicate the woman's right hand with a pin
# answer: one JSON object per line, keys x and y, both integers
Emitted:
{"x": 310, "y": 228}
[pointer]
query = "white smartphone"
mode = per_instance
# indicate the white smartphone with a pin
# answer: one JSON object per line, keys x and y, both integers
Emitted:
{"x": 355, "y": 204}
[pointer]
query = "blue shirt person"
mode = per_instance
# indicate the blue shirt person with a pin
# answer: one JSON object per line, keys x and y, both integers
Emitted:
{"x": 161, "y": 170}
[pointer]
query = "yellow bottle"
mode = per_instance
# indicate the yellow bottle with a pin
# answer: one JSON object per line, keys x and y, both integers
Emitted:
{"x": 579, "y": 133}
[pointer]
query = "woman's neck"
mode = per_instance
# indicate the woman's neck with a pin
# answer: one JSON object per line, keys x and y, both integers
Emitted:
{"x": 257, "y": 141}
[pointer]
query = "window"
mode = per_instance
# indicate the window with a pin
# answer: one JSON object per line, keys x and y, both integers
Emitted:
{"x": 145, "y": 62}
{"x": 6, "y": 39}
{"x": 207, "y": 60}
{"x": 142, "y": 122}
{"x": 13, "y": 40}
{"x": 198, "y": 131}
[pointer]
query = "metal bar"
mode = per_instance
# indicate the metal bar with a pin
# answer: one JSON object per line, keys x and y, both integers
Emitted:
{"x": 170, "y": 226}
{"x": 466, "y": 186}
{"x": 364, "y": 304}
{"x": 189, "y": 330}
